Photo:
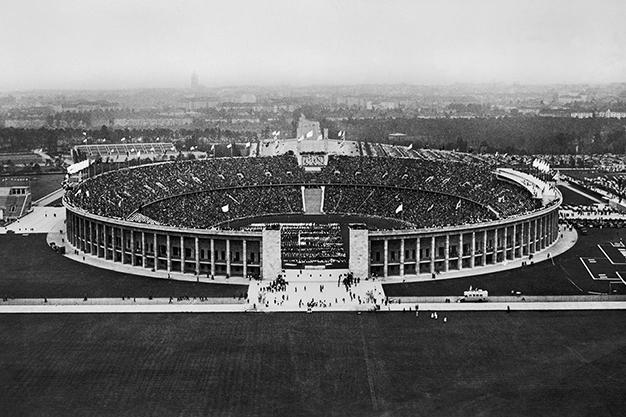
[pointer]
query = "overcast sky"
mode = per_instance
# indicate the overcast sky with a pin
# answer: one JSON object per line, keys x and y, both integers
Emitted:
{"x": 156, "y": 43}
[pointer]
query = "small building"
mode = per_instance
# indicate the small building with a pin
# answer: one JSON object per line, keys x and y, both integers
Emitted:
{"x": 15, "y": 198}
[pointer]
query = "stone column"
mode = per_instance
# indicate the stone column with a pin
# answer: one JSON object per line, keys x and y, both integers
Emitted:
{"x": 144, "y": 262}
{"x": 212, "y": 256}
{"x": 446, "y": 260}
{"x": 132, "y": 247}
{"x": 417, "y": 255}
{"x": 385, "y": 257}
{"x": 97, "y": 240}
{"x": 105, "y": 238}
{"x": 182, "y": 254}
{"x": 506, "y": 234}
{"x": 244, "y": 249}
{"x": 484, "y": 247}
{"x": 197, "y": 250}
{"x": 228, "y": 257}
{"x": 402, "y": 257}
{"x": 460, "y": 253}
{"x": 473, "y": 250}
{"x": 168, "y": 249}
{"x": 432, "y": 254}
{"x": 156, "y": 251}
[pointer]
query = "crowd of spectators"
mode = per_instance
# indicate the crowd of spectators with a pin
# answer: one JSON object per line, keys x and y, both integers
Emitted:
{"x": 193, "y": 193}
{"x": 419, "y": 208}
{"x": 471, "y": 181}
{"x": 208, "y": 208}
{"x": 117, "y": 194}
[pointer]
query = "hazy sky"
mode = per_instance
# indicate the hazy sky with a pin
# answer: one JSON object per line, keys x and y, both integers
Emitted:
{"x": 156, "y": 43}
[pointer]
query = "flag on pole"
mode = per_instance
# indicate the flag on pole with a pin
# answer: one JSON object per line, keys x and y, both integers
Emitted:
{"x": 399, "y": 208}
{"x": 85, "y": 140}
{"x": 309, "y": 134}
{"x": 225, "y": 208}
{"x": 248, "y": 145}
{"x": 458, "y": 205}
{"x": 123, "y": 140}
{"x": 229, "y": 146}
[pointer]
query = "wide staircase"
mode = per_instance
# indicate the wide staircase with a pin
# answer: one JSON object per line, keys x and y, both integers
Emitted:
{"x": 313, "y": 199}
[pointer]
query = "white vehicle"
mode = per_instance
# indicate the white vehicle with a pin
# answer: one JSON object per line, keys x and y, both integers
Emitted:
{"x": 474, "y": 296}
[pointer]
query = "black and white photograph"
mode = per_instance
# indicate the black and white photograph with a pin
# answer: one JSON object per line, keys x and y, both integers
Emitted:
{"x": 368, "y": 208}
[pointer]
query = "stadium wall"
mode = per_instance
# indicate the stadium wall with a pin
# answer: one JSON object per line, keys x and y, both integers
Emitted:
{"x": 392, "y": 253}
{"x": 402, "y": 253}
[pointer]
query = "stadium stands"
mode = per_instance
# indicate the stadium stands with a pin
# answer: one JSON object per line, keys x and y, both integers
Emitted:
{"x": 432, "y": 191}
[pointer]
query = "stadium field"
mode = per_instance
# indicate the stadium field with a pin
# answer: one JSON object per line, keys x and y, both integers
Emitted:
{"x": 564, "y": 275}
{"x": 337, "y": 364}
{"x": 30, "y": 269}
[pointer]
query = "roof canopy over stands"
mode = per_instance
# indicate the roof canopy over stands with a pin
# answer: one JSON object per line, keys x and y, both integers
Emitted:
{"x": 123, "y": 150}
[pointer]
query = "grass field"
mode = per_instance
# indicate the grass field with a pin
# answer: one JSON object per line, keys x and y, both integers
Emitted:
{"x": 29, "y": 268}
{"x": 480, "y": 363}
{"x": 42, "y": 185}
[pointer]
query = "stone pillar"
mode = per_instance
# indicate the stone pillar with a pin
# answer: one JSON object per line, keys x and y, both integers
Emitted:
{"x": 484, "y": 247}
{"x": 168, "y": 249}
{"x": 182, "y": 254}
{"x": 156, "y": 251}
{"x": 97, "y": 240}
{"x": 506, "y": 234}
{"x": 358, "y": 261}
{"x": 197, "y": 251}
{"x": 417, "y": 255}
{"x": 385, "y": 257}
{"x": 244, "y": 249}
{"x": 144, "y": 261}
{"x": 272, "y": 259}
{"x": 473, "y": 250}
{"x": 212, "y": 256}
{"x": 402, "y": 257}
{"x": 446, "y": 260}
{"x": 228, "y": 257}
{"x": 132, "y": 247}
{"x": 105, "y": 238}
{"x": 461, "y": 253}
{"x": 432, "y": 254}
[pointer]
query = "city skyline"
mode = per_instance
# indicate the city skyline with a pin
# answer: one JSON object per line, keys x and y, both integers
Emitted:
{"x": 158, "y": 44}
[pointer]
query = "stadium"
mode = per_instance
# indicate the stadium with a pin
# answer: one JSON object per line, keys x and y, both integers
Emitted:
{"x": 313, "y": 204}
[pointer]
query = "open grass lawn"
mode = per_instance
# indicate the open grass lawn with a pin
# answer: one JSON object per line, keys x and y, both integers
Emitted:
{"x": 30, "y": 269}
{"x": 566, "y": 276}
{"x": 42, "y": 185}
{"x": 479, "y": 363}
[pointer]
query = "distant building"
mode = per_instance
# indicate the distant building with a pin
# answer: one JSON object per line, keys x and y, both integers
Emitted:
{"x": 396, "y": 137}
{"x": 15, "y": 198}
{"x": 308, "y": 129}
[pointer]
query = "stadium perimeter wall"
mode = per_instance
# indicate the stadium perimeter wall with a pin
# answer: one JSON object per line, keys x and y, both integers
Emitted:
{"x": 232, "y": 253}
